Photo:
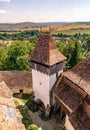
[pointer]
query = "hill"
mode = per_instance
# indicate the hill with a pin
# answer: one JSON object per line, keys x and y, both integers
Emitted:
{"x": 56, "y": 26}
{"x": 17, "y": 26}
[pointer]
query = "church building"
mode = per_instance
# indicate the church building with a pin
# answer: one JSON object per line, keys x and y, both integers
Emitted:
{"x": 69, "y": 91}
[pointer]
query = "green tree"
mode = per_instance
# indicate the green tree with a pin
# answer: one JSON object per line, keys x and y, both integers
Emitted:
{"x": 74, "y": 52}
{"x": 17, "y": 56}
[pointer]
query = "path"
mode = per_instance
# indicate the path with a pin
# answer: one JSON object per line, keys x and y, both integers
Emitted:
{"x": 45, "y": 125}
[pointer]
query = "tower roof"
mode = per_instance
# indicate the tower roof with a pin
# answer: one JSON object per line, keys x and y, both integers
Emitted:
{"x": 46, "y": 51}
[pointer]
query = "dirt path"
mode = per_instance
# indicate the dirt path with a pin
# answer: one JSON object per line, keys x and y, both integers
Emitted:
{"x": 45, "y": 125}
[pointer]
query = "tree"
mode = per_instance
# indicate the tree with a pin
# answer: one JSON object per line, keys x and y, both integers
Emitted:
{"x": 17, "y": 56}
{"x": 74, "y": 52}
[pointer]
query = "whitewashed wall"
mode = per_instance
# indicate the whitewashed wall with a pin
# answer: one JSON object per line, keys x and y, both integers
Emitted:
{"x": 41, "y": 86}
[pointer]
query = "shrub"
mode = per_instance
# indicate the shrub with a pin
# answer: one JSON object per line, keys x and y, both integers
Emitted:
{"x": 32, "y": 127}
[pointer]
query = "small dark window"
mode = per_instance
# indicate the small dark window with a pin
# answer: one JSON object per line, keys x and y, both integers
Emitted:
{"x": 40, "y": 83}
{"x": 21, "y": 91}
{"x": 56, "y": 75}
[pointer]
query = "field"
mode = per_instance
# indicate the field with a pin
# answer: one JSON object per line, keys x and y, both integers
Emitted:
{"x": 72, "y": 31}
{"x": 69, "y": 29}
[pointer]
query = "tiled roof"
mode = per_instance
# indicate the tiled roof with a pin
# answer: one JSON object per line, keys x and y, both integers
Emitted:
{"x": 8, "y": 124}
{"x": 68, "y": 96}
{"x": 4, "y": 90}
{"x": 18, "y": 114}
{"x": 80, "y": 75}
{"x": 17, "y": 79}
{"x": 7, "y": 102}
{"x": 46, "y": 51}
{"x": 80, "y": 120}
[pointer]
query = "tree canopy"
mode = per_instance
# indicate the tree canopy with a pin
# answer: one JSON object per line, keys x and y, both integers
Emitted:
{"x": 15, "y": 57}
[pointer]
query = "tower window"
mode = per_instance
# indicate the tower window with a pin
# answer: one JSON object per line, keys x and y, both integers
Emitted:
{"x": 56, "y": 75}
{"x": 40, "y": 83}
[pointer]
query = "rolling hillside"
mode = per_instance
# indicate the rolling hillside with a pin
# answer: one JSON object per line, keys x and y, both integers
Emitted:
{"x": 56, "y": 26}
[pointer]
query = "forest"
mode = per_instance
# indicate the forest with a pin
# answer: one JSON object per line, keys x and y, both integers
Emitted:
{"x": 16, "y": 55}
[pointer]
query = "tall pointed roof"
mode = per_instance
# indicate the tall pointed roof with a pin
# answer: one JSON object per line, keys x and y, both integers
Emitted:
{"x": 46, "y": 51}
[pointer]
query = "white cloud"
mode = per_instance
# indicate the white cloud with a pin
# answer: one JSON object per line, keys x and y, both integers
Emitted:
{"x": 5, "y": 0}
{"x": 3, "y": 11}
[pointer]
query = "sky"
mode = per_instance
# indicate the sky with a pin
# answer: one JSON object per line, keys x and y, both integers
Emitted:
{"x": 12, "y": 11}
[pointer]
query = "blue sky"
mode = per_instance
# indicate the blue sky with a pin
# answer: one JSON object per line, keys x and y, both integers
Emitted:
{"x": 44, "y": 10}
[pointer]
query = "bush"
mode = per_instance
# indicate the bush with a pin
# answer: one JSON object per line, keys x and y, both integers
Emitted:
{"x": 43, "y": 117}
{"x": 32, "y": 127}
{"x": 26, "y": 120}
{"x": 31, "y": 104}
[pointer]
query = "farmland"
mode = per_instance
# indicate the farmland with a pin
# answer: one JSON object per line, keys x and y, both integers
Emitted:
{"x": 65, "y": 28}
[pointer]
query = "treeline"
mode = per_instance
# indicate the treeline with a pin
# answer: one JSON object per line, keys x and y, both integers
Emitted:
{"x": 25, "y": 35}
{"x": 16, "y": 55}
{"x": 74, "y": 50}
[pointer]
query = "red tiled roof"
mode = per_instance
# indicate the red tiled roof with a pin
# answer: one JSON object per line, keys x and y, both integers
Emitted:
{"x": 46, "y": 51}
{"x": 80, "y": 75}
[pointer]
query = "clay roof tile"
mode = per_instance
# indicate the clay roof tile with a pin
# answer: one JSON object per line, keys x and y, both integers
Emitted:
{"x": 46, "y": 51}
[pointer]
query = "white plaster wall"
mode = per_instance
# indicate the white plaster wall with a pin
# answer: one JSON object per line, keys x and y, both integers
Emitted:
{"x": 60, "y": 72}
{"x": 41, "y": 84}
{"x": 52, "y": 81}
{"x": 68, "y": 125}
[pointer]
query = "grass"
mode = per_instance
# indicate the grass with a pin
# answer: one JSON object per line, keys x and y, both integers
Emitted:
{"x": 25, "y": 96}
{"x": 26, "y": 119}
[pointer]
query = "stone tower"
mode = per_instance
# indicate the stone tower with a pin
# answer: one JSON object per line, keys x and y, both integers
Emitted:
{"x": 47, "y": 63}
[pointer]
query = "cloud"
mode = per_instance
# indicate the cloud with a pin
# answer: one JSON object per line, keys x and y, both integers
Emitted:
{"x": 5, "y": 0}
{"x": 4, "y": 12}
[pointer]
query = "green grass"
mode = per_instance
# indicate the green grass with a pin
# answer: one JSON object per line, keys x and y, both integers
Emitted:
{"x": 25, "y": 96}
{"x": 26, "y": 120}
{"x": 16, "y": 102}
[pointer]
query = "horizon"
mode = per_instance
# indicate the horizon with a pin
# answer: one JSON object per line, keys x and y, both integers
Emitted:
{"x": 41, "y": 11}
{"x": 67, "y": 22}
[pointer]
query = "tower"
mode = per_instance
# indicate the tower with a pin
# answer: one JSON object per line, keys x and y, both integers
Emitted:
{"x": 47, "y": 63}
